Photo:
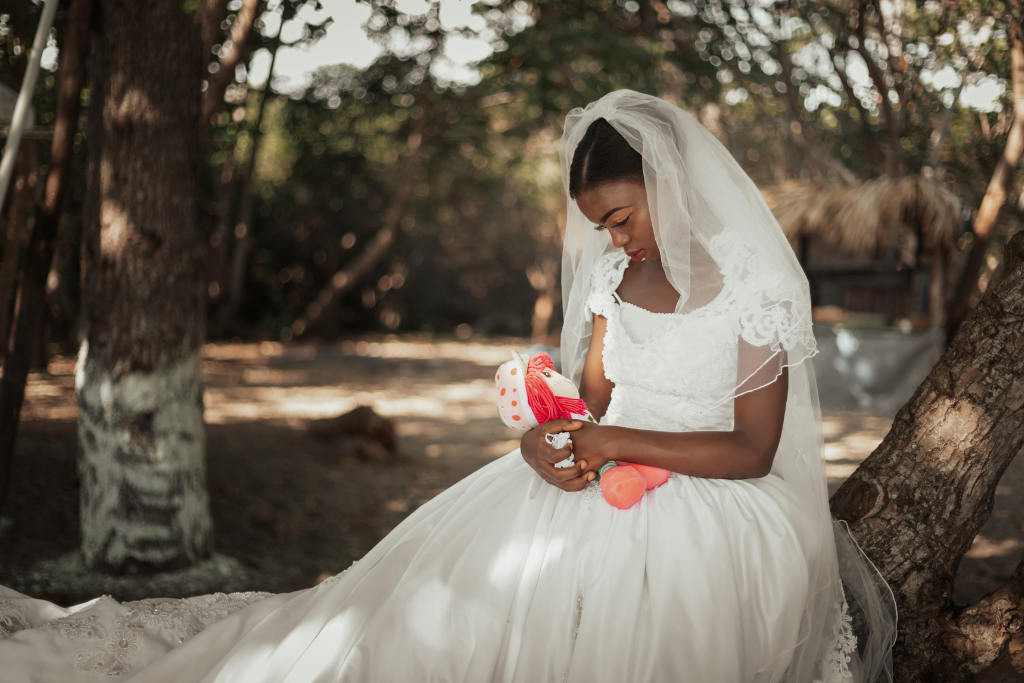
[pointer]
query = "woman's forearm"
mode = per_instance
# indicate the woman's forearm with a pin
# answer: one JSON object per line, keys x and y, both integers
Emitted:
{"x": 713, "y": 455}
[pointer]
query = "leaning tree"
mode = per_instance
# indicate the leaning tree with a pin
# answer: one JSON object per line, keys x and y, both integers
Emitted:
{"x": 144, "y": 501}
{"x": 917, "y": 502}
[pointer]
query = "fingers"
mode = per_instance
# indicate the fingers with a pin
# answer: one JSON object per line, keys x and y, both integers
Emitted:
{"x": 558, "y": 474}
{"x": 553, "y": 455}
{"x": 569, "y": 478}
{"x": 578, "y": 484}
{"x": 560, "y": 425}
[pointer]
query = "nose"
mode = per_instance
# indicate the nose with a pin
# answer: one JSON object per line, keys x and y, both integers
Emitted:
{"x": 619, "y": 238}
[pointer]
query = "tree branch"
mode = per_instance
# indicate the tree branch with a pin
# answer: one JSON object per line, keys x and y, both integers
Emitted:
{"x": 345, "y": 279}
{"x": 244, "y": 227}
{"x": 213, "y": 15}
{"x": 939, "y": 134}
{"x": 878, "y": 78}
{"x": 796, "y": 129}
{"x": 30, "y": 305}
{"x": 838, "y": 63}
{"x": 241, "y": 35}
{"x": 998, "y": 188}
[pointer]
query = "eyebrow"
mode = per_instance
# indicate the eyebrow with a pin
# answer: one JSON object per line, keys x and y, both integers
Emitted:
{"x": 618, "y": 208}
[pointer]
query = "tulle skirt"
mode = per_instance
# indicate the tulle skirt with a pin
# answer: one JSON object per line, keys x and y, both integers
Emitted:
{"x": 505, "y": 578}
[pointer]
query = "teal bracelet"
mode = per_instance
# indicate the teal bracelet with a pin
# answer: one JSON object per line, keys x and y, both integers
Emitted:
{"x": 607, "y": 466}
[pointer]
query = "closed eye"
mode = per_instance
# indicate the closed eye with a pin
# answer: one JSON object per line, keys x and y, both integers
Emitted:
{"x": 617, "y": 225}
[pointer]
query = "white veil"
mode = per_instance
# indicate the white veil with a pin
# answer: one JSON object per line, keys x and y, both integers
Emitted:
{"x": 711, "y": 225}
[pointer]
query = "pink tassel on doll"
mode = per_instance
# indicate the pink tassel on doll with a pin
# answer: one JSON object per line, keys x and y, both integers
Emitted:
{"x": 532, "y": 393}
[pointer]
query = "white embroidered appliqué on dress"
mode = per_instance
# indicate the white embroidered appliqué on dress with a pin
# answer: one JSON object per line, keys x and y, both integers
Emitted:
{"x": 114, "y": 648}
{"x": 844, "y": 644}
{"x": 12, "y": 619}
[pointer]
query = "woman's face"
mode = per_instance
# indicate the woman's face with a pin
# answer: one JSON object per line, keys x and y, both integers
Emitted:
{"x": 620, "y": 207}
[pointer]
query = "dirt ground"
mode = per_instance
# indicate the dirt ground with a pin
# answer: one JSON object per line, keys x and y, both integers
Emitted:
{"x": 293, "y": 508}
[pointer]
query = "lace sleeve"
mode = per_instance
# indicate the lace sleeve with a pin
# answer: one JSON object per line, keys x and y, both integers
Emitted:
{"x": 608, "y": 272}
{"x": 772, "y": 308}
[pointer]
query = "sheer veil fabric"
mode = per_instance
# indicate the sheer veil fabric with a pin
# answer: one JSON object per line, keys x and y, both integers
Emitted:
{"x": 503, "y": 577}
{"x": 711, "y": 226}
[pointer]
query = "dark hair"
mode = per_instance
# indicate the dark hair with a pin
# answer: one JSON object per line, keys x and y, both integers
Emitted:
{"x": 603, "y": 156}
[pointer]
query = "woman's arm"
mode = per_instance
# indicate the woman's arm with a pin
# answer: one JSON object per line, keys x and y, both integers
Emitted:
{"x": 746, "y": 452}
{"x": 595, "y": 388}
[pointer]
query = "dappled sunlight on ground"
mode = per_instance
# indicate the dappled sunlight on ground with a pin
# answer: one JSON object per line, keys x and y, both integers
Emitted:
{"x": 296, "y": 507}
{"x": 849, "y": 438}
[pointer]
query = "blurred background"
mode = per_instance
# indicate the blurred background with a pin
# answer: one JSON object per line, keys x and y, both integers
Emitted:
{"x": 380, "y": 204}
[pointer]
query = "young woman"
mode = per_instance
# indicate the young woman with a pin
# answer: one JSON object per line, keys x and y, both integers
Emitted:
{"x": 687, "y": 322}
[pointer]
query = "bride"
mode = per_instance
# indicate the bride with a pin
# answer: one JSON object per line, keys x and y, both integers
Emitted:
{"x": 687, "y": 326}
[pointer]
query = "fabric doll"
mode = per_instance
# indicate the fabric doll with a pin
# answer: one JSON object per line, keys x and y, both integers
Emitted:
{"x": 532, "y": 393}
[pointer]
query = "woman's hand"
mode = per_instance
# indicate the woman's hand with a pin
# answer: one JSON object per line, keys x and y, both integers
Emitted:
{"x": 590, "y": 444}
{"x": 541, "y": 456}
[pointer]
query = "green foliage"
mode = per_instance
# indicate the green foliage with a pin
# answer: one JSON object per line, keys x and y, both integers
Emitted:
{"x": 822, "y": 89}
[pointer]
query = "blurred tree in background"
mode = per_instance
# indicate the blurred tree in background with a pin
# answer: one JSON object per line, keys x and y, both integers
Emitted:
{"x": 301, "y": 182}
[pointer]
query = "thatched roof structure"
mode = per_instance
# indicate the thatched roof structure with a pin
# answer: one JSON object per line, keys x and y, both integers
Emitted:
{"x": 863, "y": 218}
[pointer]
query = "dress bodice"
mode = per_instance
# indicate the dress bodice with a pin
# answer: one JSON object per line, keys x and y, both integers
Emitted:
{"x": 672, "y": 371}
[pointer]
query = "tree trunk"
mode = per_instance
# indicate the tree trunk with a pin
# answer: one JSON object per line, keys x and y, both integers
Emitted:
{"x": 917, "y": 502}
{"x": 937, "y": 288}
{"x": 30, "y": 305}
{"x": 23, "y": 187}
{"x": 144, "y": 503}
{"x": 543, "y": 280}
{"x": 235, "y": 279}
{"x": 998, "y": 189}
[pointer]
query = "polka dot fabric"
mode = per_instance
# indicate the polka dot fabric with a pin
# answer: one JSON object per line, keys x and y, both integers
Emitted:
{"x": 512, "y": 406}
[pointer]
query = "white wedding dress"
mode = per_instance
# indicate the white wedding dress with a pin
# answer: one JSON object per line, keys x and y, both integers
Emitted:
{"x": 504, "y": 577}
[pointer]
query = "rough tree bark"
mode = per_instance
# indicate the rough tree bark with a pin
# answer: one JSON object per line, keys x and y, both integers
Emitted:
{"x": 30, "y": 304}
{"x": 917, "y": 502}
{"x": 144, "y": 504}
{"x": 998, "y": 188}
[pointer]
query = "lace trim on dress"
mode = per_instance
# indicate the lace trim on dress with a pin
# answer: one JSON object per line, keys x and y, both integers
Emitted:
{"x": 71, "y": 627}
{"x": 116, "y": 649}
{"x": 591, "y": 493}
{"x": 770, "y": 308}
{"x": 621, "y": 350}
{"x": 608, "y": 271}
{"x": 337, "y": 577}
{"x": 12, "y": 619}
{"x": 844, "y": 644}
{"x": 579, "y": 614}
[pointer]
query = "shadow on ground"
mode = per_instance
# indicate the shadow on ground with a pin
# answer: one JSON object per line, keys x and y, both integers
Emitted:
{"x": 292, "y": 508}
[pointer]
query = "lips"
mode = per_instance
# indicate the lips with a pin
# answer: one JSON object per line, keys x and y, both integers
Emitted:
{"x": 637, "y": 255}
